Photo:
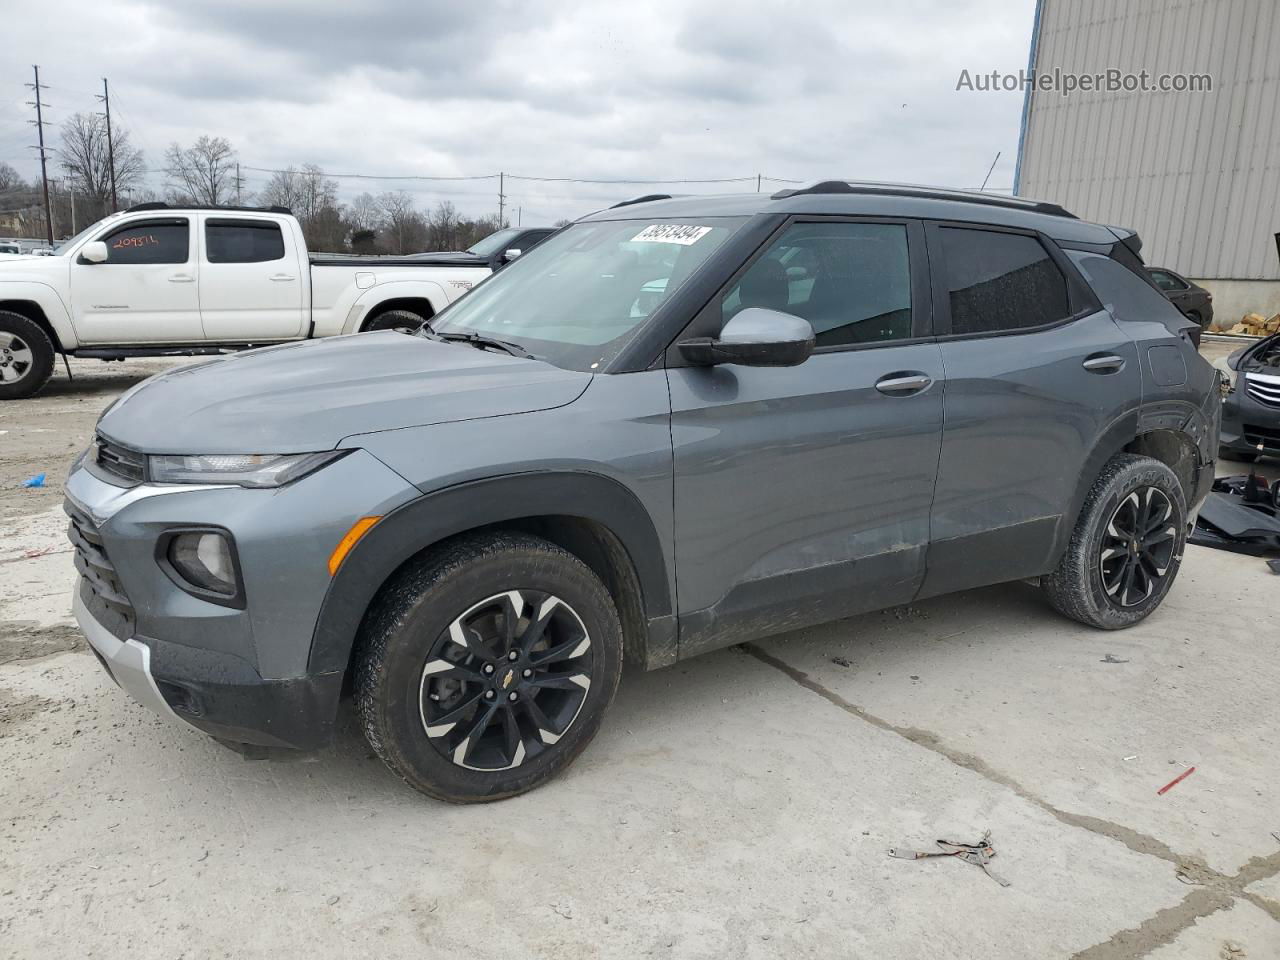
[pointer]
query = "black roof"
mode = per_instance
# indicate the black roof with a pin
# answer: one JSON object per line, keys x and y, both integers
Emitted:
{"x": 856, "y": 198}
{"x": 161, "y": 205}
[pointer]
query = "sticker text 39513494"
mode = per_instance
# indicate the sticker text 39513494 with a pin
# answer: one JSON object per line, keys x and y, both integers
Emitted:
{"x": 684, "y": 234}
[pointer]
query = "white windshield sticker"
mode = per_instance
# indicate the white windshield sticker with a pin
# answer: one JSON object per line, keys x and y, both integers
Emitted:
{"x": 684, "y": 234}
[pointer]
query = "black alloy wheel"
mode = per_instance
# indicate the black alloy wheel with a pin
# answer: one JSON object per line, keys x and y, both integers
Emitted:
{"x": 1138, "y": 546}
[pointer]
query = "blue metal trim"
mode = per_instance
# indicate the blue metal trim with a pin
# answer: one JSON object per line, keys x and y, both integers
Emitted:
{"x": 1026, "y": 98}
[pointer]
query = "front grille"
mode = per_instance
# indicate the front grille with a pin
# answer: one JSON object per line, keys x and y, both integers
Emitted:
{"x": 100, "y": 587}
{"x": 1266, "y": 390}
{"x": 120, "y": 462}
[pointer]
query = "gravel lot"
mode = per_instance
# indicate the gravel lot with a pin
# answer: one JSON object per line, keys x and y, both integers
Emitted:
{"x": 740, "y": 804}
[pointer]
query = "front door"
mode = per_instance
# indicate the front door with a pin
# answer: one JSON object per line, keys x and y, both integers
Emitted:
{"x": 1037, "y": 373}
{"x": 252, "y": 285}
{"x": 145, "y": 291}
{"x": 802, "y": 493}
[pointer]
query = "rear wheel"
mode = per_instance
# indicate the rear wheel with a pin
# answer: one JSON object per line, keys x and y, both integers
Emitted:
{"x": 486, "y": 669}
{"x": 26, "y": 356}
{"x": 1126, "y": 548}
{"x": 403, "y": 321}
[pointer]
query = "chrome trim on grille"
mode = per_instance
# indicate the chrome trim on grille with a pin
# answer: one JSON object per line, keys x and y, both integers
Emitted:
{"x": 1264, "y": 389}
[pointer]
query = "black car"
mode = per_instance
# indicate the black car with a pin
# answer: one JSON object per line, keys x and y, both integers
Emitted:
{"x": 1192, "y": 299}
{"x": 496, "y": 250}
{"x": 1251, "y": 413}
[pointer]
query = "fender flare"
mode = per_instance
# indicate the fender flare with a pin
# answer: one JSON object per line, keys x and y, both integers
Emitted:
{"x": 50, "y": 302}
{"x": 1122, "y": 431}
{"x": 368, "y": 300}
{"x": 427, "y": 520}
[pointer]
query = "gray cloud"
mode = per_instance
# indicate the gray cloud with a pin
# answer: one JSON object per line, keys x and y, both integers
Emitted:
{"x": 702, "y": 88}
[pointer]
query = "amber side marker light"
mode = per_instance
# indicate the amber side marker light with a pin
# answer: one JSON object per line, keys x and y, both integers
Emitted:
{"x": 358, "y": 530}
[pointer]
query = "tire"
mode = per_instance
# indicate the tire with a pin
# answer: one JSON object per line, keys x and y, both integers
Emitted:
{"x": 26, "y": 356}
{"x": 1089, "y": 584}
{"x": 421, "y": 694}
{"x": 406, "y": 321}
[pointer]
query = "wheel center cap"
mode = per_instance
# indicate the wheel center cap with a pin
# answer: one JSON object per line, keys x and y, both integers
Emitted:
{"x": 506, "y": 678}
{"x": 1133, "y": 547}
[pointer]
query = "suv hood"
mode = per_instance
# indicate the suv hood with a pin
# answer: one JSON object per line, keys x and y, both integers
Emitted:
{"x": 308, "y": 396}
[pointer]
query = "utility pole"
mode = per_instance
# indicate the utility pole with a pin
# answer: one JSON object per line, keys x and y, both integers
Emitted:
{"x": 44, "y": 172}
{"x": 238, "y": 182}
{"x": 111, "y": 150}
{"x": 757, "y": 183}
{"x": 502, "y": 199}
{"x": 519, "y": 215}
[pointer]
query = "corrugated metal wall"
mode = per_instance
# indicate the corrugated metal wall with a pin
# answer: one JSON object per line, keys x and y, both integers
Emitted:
{"x": 1197, "y": 174}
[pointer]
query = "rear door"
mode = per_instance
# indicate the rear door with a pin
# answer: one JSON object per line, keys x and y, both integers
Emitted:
{"x": 1036, "y": 373}
{"x": 802, "y": 493}
{"x": 145, "y": 291}
{"x": 252, "y": 280}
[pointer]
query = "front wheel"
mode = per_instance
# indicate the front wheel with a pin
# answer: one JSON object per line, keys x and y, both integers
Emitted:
{"x": 26, "y": 356}
{"x": 486, "y": 669}
{"x": 1126, "y": 548}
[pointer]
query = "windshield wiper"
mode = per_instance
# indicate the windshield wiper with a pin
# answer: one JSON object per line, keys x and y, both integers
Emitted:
{"x": 480, "y": 342}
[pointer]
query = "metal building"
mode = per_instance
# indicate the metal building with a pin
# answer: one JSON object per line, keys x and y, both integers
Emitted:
{"x": 1197, "y": 174}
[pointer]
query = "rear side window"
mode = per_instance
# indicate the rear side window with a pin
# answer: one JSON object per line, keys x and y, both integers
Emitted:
{"x": 851, "y": 281}
{"x": 1001, "y": 281}
{"x": 158, "y": 241}
{"x": 1167, "y": 281}
{"x": 243, "y": 241}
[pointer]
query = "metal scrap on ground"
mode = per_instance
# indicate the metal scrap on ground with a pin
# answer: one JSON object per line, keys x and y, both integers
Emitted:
{"x": 979, "y": 854}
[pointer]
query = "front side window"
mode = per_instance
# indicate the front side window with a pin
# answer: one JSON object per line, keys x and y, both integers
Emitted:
{"x": 851, "y": 281}
{"x": 155, "y": 241}
{"x": 579, "y": 297}
{"x": 243, "y": 241}
{"x": 1001, "y": 281}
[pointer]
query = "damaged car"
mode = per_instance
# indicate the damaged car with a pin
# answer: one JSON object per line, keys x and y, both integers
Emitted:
{"x": 1251, "y": 410}
{"x": 676, "y": 425}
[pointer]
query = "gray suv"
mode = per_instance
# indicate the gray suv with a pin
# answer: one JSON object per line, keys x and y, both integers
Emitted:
{"x": 677, "y": 424}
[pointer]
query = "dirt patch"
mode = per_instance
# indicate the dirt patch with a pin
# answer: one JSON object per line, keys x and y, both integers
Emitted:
{"x": 15, "y": 709}
{"x": 22, "y": 640}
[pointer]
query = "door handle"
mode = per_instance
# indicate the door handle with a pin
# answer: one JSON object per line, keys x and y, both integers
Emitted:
{"x": 1104, "y": 363}
{"x": 899, "y": 384}
{"x": 282, "y": 277}
{"x": 180, "y": 278}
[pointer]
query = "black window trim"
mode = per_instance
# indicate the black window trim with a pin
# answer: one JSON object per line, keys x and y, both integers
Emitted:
{"x": 133, "y": 225}
{"x": 1081, "y": 299}
{"x": 707, "y": 321}
{"x": 236, "y": 221}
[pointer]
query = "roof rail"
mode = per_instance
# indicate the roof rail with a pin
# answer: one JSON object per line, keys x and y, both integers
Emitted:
{"x": 162, "y": 205}
{"x": 642, "y": 199}
{"x": 929, "y": 193}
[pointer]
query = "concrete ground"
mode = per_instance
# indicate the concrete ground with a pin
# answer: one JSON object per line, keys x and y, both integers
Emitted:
{"x": 740, "y": 804}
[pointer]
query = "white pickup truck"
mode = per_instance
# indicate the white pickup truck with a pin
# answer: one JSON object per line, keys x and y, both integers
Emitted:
{"x": 157, "y": 280}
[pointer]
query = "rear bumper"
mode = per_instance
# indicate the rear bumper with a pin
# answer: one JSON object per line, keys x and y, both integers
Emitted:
{"x": 218, "y": 695}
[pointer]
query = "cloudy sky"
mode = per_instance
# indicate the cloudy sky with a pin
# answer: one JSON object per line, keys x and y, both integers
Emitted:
{"x": 661, "y": 90}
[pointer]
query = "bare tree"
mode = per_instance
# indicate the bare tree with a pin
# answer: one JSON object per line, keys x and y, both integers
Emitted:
{"x": 365, "y": 213}
{"x": 83, "y": 154}
{"x": 203, "y": 172}
{"x": 313, "y": 198}
{"x": 10, "y": 179}
{"x": 403, "y": 226}
{"x": 442, "y": 226}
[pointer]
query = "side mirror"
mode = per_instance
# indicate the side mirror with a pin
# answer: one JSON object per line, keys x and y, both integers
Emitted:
{"x": 755, "y": 337}
{"x": 94, "y": 252}
{"x": 511, "y": 254}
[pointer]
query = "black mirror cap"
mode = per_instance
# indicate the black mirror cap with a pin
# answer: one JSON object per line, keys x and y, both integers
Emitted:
{"x": 709, "y": 352}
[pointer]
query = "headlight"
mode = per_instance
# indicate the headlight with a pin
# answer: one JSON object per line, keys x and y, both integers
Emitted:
{"x": 245, "y": 470}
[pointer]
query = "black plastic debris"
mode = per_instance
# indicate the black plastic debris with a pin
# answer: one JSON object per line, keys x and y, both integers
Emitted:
{"x": 1241, "y": 514}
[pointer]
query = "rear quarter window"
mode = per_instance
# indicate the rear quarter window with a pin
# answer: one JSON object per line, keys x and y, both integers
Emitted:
{"x": 1125, "y": 294}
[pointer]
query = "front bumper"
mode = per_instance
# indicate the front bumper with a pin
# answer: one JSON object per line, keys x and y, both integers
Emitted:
{"x": 1249, "y": 425}
{"x": 242, "y": 675}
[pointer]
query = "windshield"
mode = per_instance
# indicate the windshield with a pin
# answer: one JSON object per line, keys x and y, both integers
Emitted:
{"x": 493, "y": 242}
{"x": 580, "y": 296}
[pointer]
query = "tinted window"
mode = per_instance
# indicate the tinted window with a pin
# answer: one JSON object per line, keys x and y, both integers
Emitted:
{"x": 243, "y": 241}
{"x": 851, "y": 281}
{"x": 1001, "y": 281}
{"x": 158, "y": 241}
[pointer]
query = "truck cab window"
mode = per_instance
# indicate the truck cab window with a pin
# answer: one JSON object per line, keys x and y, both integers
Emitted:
{"x": 243, "y": 241}
{"x": 155, "y": 241}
